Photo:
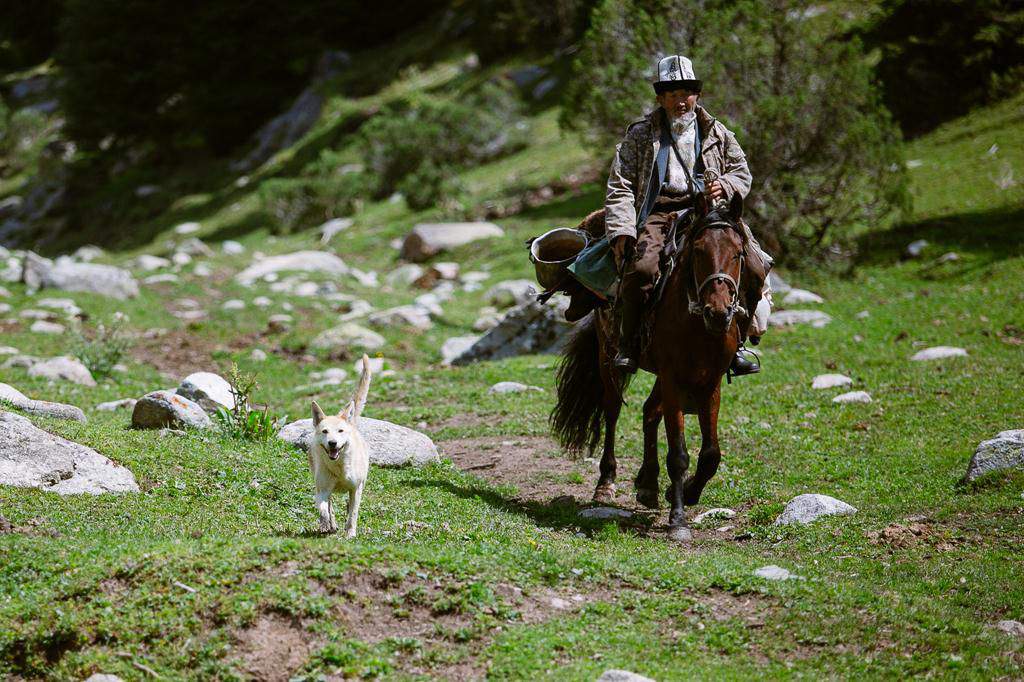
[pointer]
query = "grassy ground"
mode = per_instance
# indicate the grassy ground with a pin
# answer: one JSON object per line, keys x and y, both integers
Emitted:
{"x": 215, "y": 570}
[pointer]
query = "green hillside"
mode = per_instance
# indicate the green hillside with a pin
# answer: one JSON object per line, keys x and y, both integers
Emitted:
{"x": 480, "y": 565}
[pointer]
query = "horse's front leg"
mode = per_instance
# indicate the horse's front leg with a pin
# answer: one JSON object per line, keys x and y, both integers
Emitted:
{"x": 710, "y": 454}
{"x": 677, "y": 461}
{"x": 646, "y": 483}
{"x": 605, "y": 490}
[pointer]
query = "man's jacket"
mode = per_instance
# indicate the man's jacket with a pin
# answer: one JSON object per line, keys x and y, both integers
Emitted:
{"x": 634, "y": 164}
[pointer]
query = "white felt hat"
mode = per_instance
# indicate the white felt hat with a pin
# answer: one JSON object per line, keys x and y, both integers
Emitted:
{"x": 675, "y": 73}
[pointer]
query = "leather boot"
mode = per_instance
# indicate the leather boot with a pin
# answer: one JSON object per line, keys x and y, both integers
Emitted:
{"x": 630, "y": 316}
{"x": 742, "y": 365}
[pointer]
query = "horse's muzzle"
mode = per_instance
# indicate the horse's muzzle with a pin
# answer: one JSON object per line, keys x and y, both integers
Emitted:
{"x": 717, "y": 322}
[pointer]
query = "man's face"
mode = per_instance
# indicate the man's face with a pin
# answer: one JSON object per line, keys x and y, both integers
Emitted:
{"x": 678, "y": 102}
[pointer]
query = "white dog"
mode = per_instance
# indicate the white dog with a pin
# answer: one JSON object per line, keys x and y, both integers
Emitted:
{"x": 338, "y": 458}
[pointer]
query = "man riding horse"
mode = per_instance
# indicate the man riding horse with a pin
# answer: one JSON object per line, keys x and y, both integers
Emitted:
{"x": 658, "y": 171}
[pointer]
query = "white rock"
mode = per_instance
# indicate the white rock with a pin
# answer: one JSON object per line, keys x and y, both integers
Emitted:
{"x": 8, "y": 392}
{"x": 863, "y": 315}
{"x": 446, "y": 270}
{"x": 559, "y": 603}
{"x": 772, "y": 572}
{"x": 148, "y": 263}
{"x": 404, "y": 275}
{"x": 348, "y": 335}
{"x": 233, "y": 304}
{"x": 208, "y": 390}
{"x": 778, "y": 285}
{"x": 831, "y": 381}
{"x": 31, "y": 457}
{"x": 853, "y": 397}
{"x": 5, "y": 308}
{"x": 304, "y": 261}
{"x": 257, "y": 355}
{"x": 262, "y": 302}
{"x": 202, "y": 270}
{"x": 333, "y": 227}
{"x": 4, "y": 293}
{"x": 388, "y": 444}
{"x": 510, "y": 293}
{"x": 180, "y": 258}
{"x": 603, "y": 513}
{"x": 367, "y": 279}
{"x": 455, "y": 347}
{"x": 1005, "y": 451}
{"x": 63, "y": 368}
{"x": 232, "y": 248}
{"x": 376, "y": 365}
{"x": 429, "y": 239}
{"x": 614, "y": 675}
{"x": 430, "y": 303}
{"x": 279, "y": 323}
{"x": 9, "y": 350}
{"x": 41, "y": 273}
{"x": 31, "y": 314}
{"x": 87, "y": 253}
{"x": 1011, "y": 627}
{"x": 916, "y": 248}
{"x": 810, "y": 507}
{"x": 195, "y": 247}
{"x": 114, "y": 405}
{"x": 65, "y": 305}
{"x": 187, "y": 228}
{"x": 950, "y": 257}
{"x": 939, "y": 353}
{"x": 103, "y": 677}
{"x": 402, "y": 316}
{"x": 800, "y": 297}
{"x": 786, "y": 318}
{"x": 167, "y": 409}
{"x": 716, "y": 513}
{"x": 356, "y": 309}
{"x": 512, "y": 387}
{"x": 332, "y": 376}
{"x": 163, "y": 278}
{"x": 488, "y": 319}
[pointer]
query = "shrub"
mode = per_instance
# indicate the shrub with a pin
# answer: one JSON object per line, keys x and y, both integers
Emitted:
{"x": 501, "y": 27}
{"x": 242, "y": 421}
{"x": 430, "y": 141}
{"x": 822, "y": 149}
{"x": 293, "y": 203}
{"x": 107, "y": 345}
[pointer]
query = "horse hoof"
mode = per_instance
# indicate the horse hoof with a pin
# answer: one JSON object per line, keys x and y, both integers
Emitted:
{"x": 604, "y": 493}
{"x": 680, "y": 534}
{"x": 648, "y": 497}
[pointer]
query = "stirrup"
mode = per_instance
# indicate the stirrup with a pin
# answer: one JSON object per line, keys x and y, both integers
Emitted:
{"x": 753, "y": 366}
{"x": 624, "y": 363}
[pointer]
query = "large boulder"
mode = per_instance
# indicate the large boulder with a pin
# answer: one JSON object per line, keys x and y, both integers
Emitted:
{"x": 429, "y": 239}
{"x": 208, "y": 390}
{"x": 304, "y": 261}
{"x": 389, "y": 444}
{"x": 510, "y": 292}
{"x": 42, "y": 273}
{"x": 347, "y": 335}
{"x": 810, "y": 507}
{"x": 40, "y": 408}
{"x": 31, "y": 458}
{"x": 63, "y": 368}
{"x": 1005, "y": 451}
{"x": 530, "y": 327}
{"x": 167, "y": 409}
{"x": 454, "y": 347}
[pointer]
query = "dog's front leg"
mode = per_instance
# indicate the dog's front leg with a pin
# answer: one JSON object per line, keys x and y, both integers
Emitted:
{"x": 323, "y": 505}
{"x": 354, "y": 498}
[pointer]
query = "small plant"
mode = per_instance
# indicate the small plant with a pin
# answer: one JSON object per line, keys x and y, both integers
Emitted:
{"x": 104, "y": 350}
{"x": 242, "y": 421}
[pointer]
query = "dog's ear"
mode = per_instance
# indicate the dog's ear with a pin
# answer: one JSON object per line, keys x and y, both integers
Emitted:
{"x": 346, "y": 413}
{"x": 318, "y": 414}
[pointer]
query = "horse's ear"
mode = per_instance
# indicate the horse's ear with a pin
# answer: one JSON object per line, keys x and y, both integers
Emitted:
{"x": 700, "y": 205}
{"x": 736, "y": 207}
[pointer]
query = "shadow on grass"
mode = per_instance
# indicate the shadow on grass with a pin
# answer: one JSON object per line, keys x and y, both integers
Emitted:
{"x": 989, "y": 235}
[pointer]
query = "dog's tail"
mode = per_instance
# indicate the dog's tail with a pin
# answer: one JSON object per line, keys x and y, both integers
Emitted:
{"x": 359, "y": 399}
{"x": 577, "y": 417}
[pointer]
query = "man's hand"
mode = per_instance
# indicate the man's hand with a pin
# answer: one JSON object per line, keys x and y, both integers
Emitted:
{"x": 619, "y": 246}
{"x": 714, "y": 191}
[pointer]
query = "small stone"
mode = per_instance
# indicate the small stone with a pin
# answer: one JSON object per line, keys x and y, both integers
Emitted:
{"x": 187, "y": 228}
{"x": 103, "y": 677}
{"x": 333, "y": 227}
{"x": 376, "y": 365}
{"x": 233, "y": 304}
{"x": 279, "y": 323}
{"x": 63, "y": 368}
{"x": 716, "y": 513}
{"x": 348, "y": 335}
{"x": 938, "y": 353}
{"x": 257, "y": 355}
{"x": 163, "y": 409}
{"x": 800, "y": 297}
{"x": 810, "y": 507}
{"x": 853, "y": 397}
{"x": 915, "y": 248}
{"x": 786, "y": 318}
{"x": 404, "y": 275}
{"x": 604, "y": 513}
{"x": 772, "y": 572}
{"x": 402, "y": 316}
{"x": 164, "y": 278}
{"x": 114, "y": 405}
{"x": 831, "y": 381}
{"x": 559, "y": 603}
{"x": 512, "y": 387}
{"x": 332, "y": 376}
{"x": 44, "y": 327}
{"x": 195, "y": 247}
{"x": 147, "y": 262}
{"x": 863, "y": 315}
{"x": 208, "y": 390}
{"x": 622, "y": 676}
{"x": 180, "y": 258}
{"x": 1011, "y": 627}
{"x": 950, "y": 257}
{"x": 455, "y": 347}
{"x": 262, "y": 302}
{"x": 232, "y": 248}
{"x": 510, "y": 293}
{"x": 1005, "y": 451}
{"x": 202, "y": 270}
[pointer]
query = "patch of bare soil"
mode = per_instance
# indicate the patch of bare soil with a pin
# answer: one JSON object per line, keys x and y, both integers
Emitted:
{"x": 535, "y": 465}
{"x": 273, "y": 648}
{"x": 175, "y": 353}
{"x": 37, "y": 527}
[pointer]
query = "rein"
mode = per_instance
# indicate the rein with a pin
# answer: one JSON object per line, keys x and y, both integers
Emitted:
{"x": 695, "y": 307}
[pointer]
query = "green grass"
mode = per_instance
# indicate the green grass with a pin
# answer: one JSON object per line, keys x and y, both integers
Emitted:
{"x": 453, "y": 577}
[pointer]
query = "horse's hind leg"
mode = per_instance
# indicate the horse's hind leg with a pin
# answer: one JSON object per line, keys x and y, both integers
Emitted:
{"x": 678, "y": 460}
{"x": 710, "y": 454}
{"x": 605, "y": 490}
{"x": 646, "y": 483}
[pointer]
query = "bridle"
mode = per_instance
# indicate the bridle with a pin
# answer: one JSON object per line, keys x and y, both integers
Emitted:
{"x": 695, "y": 307}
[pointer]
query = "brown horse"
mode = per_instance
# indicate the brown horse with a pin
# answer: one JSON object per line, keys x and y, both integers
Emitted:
{"x": 697, "y": 327}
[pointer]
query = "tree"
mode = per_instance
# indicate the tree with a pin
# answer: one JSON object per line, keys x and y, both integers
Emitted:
{"x": 823, "y": 150}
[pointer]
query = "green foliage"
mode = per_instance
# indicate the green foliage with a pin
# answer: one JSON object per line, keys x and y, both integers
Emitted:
{"x": 940, "y": 58}
{"x": 104, "y": 348}
{"x": 501, "y": 27}
{"x": 242, "y": 421}
{"x": 23, "y": 136}
{"x": 293, "y": 203}
{"x": 822, "y": 149}
{"x": 428, "y": 141}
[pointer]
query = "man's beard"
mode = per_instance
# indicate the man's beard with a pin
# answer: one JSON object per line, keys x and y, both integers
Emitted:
{"x": 682, "y": 123}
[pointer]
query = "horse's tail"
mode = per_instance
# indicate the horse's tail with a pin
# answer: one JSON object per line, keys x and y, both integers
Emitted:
{"x": 577, "y": 416}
